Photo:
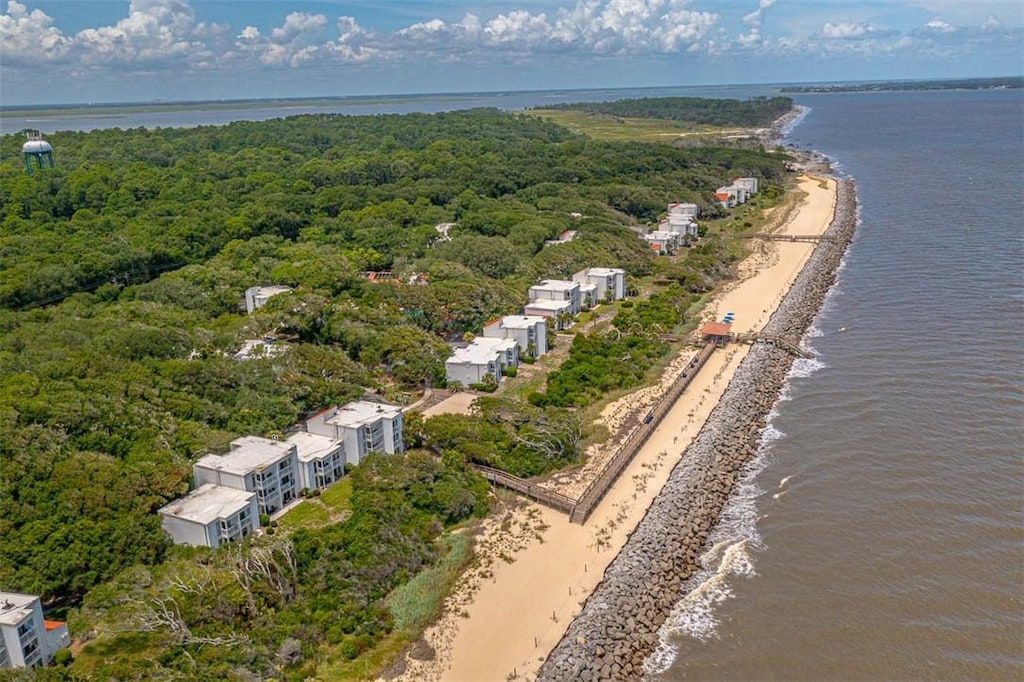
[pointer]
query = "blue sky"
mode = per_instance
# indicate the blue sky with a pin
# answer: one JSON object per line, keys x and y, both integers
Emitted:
{"x": 62, "y": 51}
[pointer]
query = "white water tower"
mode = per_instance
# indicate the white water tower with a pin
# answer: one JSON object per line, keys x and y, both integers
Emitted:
{"x": 38, "y": 149}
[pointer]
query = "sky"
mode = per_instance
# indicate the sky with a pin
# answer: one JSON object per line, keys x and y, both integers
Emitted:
{"x": 71, "y": 51}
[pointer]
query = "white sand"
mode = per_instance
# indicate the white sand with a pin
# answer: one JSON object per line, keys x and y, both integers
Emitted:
{"x": 505, "y": 616}
{"x": 459, "y": 403}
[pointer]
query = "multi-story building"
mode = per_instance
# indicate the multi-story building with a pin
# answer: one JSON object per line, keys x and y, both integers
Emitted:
{"x": 321, "y": 459}
{"x": 529, "y": 331}
{"x": 485, "y": 357}
{"x": 557, "y": 290}
{"x": 664, "y": 242}
{"x": 362, "y": 427}
{"x": 211, "y": 515}
{"x": 26, "y": 638}
{"x": 560, "y": 312}
{"x": 610, "y": 283}
{"x": 266, "y": 467}
{"x": 682, "y": 211}
{"x": 257, "y": 297}
{"x": 749, "y": 184}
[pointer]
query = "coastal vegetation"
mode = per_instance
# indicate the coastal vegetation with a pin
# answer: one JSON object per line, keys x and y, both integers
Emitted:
{"x": 754, "y": 112}
{"x": 123, "y": 270}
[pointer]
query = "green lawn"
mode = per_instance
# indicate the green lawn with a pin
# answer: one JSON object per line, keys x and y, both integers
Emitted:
{"x": 327, "y": 507}
{"x": 307, "y": 514}
{"x": 338, "y": 496}
{"x": 605, "y": 127}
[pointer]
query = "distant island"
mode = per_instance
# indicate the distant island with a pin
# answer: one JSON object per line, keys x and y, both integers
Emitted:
{"x": 758, "y": 111}
{"x": 1015, "y": 82}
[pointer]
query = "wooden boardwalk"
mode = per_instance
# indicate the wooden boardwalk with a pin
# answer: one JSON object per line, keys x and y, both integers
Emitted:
{"x": 780, "y": 341}
{"x": 596, "y": 491}
{"x": 579, "y": 510}
{"x": 776, "y": 237}
{"x": 549, "y": 498}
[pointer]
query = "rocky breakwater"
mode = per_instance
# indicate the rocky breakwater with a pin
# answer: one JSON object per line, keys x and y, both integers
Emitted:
{"x": 618, "y": 626}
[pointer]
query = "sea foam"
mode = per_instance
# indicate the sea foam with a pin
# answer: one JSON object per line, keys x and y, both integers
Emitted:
{"x": 732, "y": 543}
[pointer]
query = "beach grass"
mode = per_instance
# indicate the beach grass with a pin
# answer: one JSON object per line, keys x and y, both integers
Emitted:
{"x": 414, "y": 606}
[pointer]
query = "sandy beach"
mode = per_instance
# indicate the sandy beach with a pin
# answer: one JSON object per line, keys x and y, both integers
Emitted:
{"x": 535, "y": 568}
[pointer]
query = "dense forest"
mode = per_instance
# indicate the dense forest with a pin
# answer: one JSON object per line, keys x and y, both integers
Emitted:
{"x": 756, "y": 112}
{"x": 122, "y": 274}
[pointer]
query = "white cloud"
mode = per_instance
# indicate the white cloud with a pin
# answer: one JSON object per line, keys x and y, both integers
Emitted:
{"x": 154, "y": 31}
{"x": 991, "y": 23}
{"x": 587, "y": 27}
{"x": 940, "y": 26}
{"x": 159, "y": 32}
{"x": 752, "y": 38}
{"x": 30, "y": 36}
{"x": 845, "y": 30}
{"x": 296, "y": 25}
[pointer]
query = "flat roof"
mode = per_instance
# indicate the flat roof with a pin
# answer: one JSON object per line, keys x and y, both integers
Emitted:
{"x": 361, "y": 412}
{"x": 662, "y": 234}
{"x": 553, "y": 306}
{"x": 602, "y": 272}
{"x": 311, "y": 446}
{"x": 268, "y": 290}
{"x": 14, "y": 607}
{"x": 517, "y": 321}
{"x": 247, "y": 454}
{"x": 556, "y": 285}
{"x": 481, "y": 351}
{"x": 208, "y": 503}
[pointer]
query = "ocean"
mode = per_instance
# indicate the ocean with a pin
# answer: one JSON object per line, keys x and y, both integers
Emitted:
{"x": 171, "y": 115}
{"x": 878, "y": 535}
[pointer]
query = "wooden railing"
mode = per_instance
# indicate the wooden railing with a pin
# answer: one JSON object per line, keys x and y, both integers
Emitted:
{"x": 776, "y": 237}
{"x": 776, "y": 340}
{"x": 579, "y": 510}
{"x": 557, "y": 501}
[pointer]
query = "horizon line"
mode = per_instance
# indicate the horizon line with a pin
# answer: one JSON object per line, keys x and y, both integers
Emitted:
{"x": 464, "y": 93}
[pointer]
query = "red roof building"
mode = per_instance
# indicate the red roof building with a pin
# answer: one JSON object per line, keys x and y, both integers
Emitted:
{"x": 716, "y": 330}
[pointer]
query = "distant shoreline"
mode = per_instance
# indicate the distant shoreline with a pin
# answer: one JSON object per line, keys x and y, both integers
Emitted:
{"x": 82, "y": 108}
{"x": 1007, "y": 83}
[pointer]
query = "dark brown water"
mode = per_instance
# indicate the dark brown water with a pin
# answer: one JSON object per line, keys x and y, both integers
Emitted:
{"x": 880, "y": 534}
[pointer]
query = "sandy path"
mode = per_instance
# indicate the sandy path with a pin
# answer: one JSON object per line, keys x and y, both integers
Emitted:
{"x": 506, "y": 615}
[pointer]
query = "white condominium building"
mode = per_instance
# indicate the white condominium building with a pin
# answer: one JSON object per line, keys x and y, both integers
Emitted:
{"x": 362, "y": 427}
{"x": 529, "y": 331}
{"x": 26, "y": 638}
{"x": 211, "y": 515}
{"x": 266, "y": 467}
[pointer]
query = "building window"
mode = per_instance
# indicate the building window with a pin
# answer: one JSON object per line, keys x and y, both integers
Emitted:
{"x": 30, "y": 652}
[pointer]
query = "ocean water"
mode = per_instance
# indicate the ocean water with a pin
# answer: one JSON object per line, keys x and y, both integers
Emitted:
{"x": 186, "y": 116}
{"x": 879, "y": 534}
